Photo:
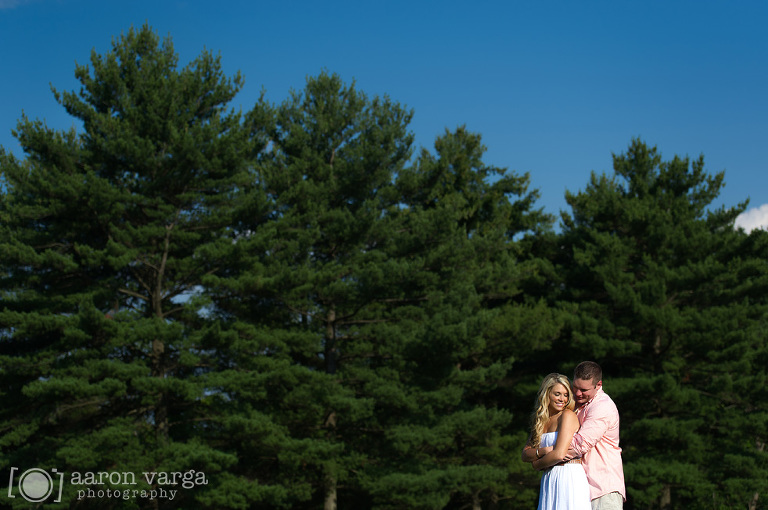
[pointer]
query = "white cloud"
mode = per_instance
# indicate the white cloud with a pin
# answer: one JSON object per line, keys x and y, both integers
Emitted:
{"x": 754, "y": 218}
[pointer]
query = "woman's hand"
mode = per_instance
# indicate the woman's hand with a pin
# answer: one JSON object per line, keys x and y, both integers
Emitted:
{"x": 538, "y": 465}
{"x": 531, "y": 454}
{"x": 570, "y": 455}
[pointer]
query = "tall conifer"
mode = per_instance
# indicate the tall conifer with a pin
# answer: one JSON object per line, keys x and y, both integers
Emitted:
{"x": 463, "y": 226}
{"x": 108, "y": 233}
{"x": 654, "y": 276}
{"x": 312, "y": 281}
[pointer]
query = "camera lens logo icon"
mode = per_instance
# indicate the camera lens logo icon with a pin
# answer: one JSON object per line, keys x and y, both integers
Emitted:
{"x": 35, "y": 484}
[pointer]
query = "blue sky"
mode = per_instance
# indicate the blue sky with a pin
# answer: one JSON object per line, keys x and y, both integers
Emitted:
{"x": 553, "y": 87}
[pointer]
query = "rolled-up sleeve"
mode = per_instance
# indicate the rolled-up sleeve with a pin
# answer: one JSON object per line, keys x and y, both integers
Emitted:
{"x": 597, "y": 442}
{"x": 597, "y": 421}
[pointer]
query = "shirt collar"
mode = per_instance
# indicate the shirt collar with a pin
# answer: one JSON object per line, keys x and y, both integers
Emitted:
{"x": 597, "y": 394}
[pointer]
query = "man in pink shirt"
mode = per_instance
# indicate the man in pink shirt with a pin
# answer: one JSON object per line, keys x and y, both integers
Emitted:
{"x": 597, "y": 440}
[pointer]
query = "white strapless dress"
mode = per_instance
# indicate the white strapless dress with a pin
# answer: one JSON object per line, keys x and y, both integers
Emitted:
{"x": 563, "y": 487}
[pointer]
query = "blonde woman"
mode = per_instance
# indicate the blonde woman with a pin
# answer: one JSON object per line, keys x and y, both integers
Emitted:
{"x": 553, "y": 423}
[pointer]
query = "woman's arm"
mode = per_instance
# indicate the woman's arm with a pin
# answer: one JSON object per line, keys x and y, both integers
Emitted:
{"x": 566, "y": 428}
{"x": 530, "y": 453}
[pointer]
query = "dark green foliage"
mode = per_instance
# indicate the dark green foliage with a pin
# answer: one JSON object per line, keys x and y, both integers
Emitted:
{"x": 302, "y": 307}
{"x": 104, "y": 359}
{"x": 310, "y": 277}
{"x": 458, "y": 223}
{"x": 666, "y": 299}
{"x": 371, "y": 277}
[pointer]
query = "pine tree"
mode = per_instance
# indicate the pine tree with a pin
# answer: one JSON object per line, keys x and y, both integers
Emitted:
{"x": 107, "y": 235}
{"x": 735, "y": 373}
{"x": 460, "y": 222}
{"x": 366, "y": 287}
{"x": 312, "y": 280}
{"x": 654, "y": 278}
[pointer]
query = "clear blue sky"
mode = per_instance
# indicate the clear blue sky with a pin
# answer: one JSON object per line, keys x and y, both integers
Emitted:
{"x": 553, "y": 87}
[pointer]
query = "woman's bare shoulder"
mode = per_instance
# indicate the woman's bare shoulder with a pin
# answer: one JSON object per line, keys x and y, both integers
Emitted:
{"x": 568, "y": 416}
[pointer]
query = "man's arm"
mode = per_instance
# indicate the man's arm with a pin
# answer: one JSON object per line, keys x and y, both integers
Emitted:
{"x": 601, "y": 416}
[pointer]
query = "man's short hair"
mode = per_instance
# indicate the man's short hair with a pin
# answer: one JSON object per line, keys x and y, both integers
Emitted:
{"x": 588, "y": 371}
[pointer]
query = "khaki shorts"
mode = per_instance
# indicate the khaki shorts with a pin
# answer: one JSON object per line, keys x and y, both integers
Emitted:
{"x": 611, "y": 501}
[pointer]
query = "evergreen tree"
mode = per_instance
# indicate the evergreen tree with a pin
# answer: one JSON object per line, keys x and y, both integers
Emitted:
{"x": 368, "y": 286}
{"x": 288, "y": 304}
{"x": 460, "y": 222}
{"x": 107, "y": 235}
{"x": 732, "y": 382}
{"x": 311, "y": 281}
{"x": 655, "y": 280}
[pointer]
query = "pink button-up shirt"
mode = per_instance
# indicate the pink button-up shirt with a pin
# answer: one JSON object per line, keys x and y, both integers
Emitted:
{"x": 598, "y": 443}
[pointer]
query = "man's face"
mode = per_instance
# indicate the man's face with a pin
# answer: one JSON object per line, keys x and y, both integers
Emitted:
{"x": 584, "y": 390}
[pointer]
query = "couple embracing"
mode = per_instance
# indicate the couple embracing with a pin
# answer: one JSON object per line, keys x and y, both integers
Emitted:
{"x": 579, "y": 450}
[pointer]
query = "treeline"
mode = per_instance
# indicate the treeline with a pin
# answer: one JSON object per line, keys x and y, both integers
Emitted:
{"x": 300, "y": 304}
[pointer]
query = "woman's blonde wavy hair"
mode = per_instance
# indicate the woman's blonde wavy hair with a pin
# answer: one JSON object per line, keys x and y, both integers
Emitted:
{"x": 540, "y": 415}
